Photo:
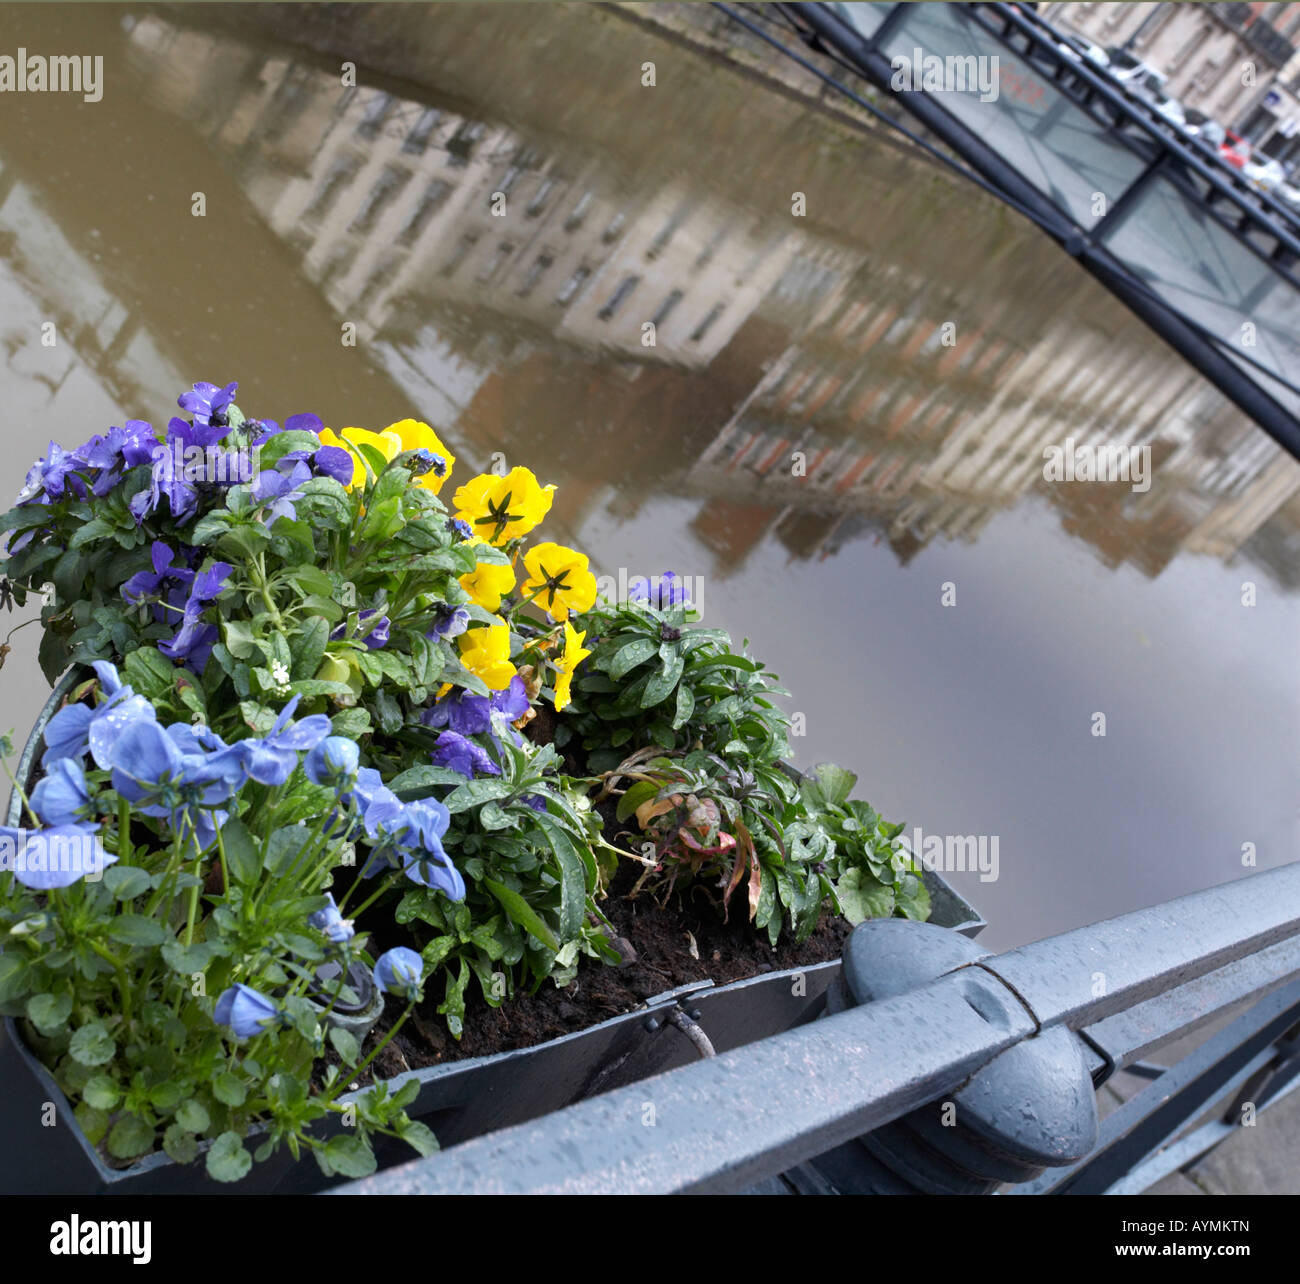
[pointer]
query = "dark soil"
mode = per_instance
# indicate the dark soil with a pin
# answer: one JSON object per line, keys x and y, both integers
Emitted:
{"x": 656, "y": 945}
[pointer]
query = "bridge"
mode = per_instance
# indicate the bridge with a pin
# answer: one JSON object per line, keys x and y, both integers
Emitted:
{"x": 1207, "y": 261}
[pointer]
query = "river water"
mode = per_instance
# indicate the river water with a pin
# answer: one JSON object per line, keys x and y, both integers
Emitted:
{"x": 838, "y": 432}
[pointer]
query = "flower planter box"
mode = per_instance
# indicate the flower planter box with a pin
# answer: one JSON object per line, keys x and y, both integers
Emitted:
{"x": 42, "y": 1149}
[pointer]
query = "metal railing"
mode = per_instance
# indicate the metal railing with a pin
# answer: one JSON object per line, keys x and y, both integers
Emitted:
{"x": 846, "y": 1102}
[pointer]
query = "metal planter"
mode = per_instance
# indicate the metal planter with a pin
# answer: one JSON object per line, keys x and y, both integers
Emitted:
{"x": 459, "y": 1100}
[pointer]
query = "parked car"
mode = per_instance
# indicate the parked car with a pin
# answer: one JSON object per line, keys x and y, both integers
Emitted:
{"x": 1079, "y": 47}
{"x": 1205, "y": 129}
{"x": 1133, "y": 73}
{"x": 1235, "y": 150}
{"x": 1289, "y": 195}
{"x": 1266, "y": 174}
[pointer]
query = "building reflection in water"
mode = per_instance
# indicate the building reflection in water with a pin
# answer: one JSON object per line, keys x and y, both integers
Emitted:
{"x": 461, "y": 248}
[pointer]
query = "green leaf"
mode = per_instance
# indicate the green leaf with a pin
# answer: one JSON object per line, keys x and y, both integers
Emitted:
{"x": 168, "y": 1094}
{"x": 418, "y": 1136}
{"x": 351, "y": 1156}
{"x": 863, "y": 897}
{"x": 193, "y": 1117}
{"x": 573, "y": 880}
{"x": 662, "y": 682}
{"x": 284, "y": 847}
{"x": 194, "y": 958}
{"x": 833, "y": 784}
{"x": 130, "y": 1138}
{"x": 100, "y": 1091}
{"x": 229, "y": 1088}
{"x": 92, "y": 1045}
{"x": 227, "y": 1159}
{"x": 642, "y": 791}
{"x": 275, "y": 448}
{"x": 243, "y": 856}
{"x": 345, "y": 1044}
{"x": 49, "y": 1012}
{"x": 685, "y": 706}
{"x": 137, "y": 929}
{"x": 424, "y": 779}
{"x": 180, "y": 1145}
{"x": 126, "y": 882}
{"x": 95, "y": 529}
{"x": 240, "y": 641}
{"x": 522, "y": 913}
{"x": 308, "y": 648}
{"x": 628, "y": 656}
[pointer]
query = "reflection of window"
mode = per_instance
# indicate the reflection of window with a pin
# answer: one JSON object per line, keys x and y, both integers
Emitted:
{"x": 494, "y": 265}
{"x": 340, "y": 174}
{"x": 290, "y": 99}
{"x": 378, "y": 280}
{"x": 538, "y": 203}
{"x": 665, "y": 308}
{"x": 381, "y": 195}
{"x": 617, "y": 299}
{"x": 434, "y": 198}
{"x": 463, "y": 248}
{"x": 578, "y": 213}
{"x": 377, "y": 111}
{"x": 668, "y": 231}
{"x": 338, "y": 264}
{"x": 535, "y": 274}
{"x": 461, "y": 144}
{"x": 418, "y": 139}
{"x": 569, "y": 290}
{"x": 703, "y": 328}
{"x": 710, "y": 249}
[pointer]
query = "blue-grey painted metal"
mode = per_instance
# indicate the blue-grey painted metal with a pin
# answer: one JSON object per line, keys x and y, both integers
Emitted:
{"x": 1225, "y": 1062}
{"x": 744, "y": 1117}
{"x": 1212, "y": 265}
{"x": 1031, "y": 1107}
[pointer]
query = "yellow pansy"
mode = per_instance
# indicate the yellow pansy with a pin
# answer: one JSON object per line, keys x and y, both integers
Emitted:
{"x": 486, "y": 652}
{"x": 388, "y": 444}
{"x": 574, "y": 654}
{"x": 558, "y": 580}
{"x": 501, "y": 508}
{"x": 417, "y": 436}
{"x": 488, "y": 582}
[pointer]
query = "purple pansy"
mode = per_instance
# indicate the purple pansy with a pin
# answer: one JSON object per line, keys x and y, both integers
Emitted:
{"x": 464, "y": 756}
{"x": 207, "y": 404}
{"x": 375, "y": 637}
{"x": 279, "y": 490}
{"x": 152, "y": 771}
{"x": 448, "y": 621}
{"x": 194, "y": 640}
{"x": 246, "y": 1011}
{"x": 271, "y": 760}
{"x": 663, "y": 591}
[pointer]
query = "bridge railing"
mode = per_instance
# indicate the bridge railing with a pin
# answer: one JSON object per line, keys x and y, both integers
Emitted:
{"x": 1208, "y": 262}
{"x": 939, "y": 1068}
